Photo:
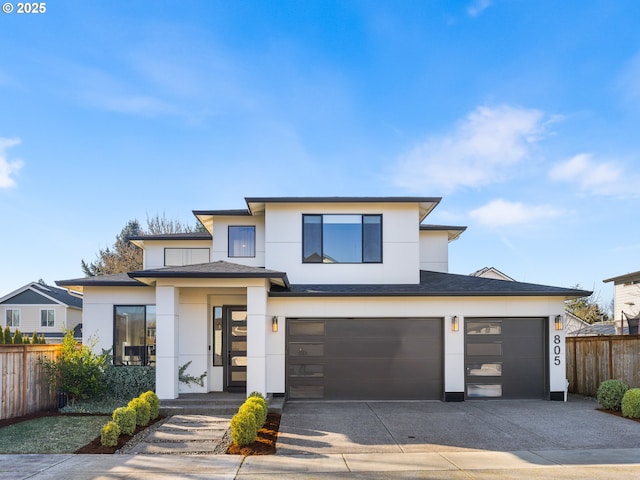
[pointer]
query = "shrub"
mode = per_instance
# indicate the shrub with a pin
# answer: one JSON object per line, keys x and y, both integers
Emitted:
{"x": 77, "y": 371}
{"x": 243, "y": 427}
{"x": 129, "y": 382}
{"x": 154, "y": 403}
{"x": 631, "y": 403}
{"x": 256, "y": 394}
{"x": 125, "y": 417}
{"x": 610, "y": 393}
{"x": 262, "y": 409}
{"x": 142, "y": 409}
{"x": 17, "y": 337}
{"x": 34, "y": 338}
{"x": 8, "y": 339}
{"x": 109, "y": 434}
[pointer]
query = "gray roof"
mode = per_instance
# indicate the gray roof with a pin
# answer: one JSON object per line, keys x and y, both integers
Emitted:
{"x": 434, "y": 284}
{"x": 57, "y": 294}
{"x": 115, "y": 280}
{"x": 219, "y": 269}
{"x": 623, "y": 278}
{"x": 174, "y": 236}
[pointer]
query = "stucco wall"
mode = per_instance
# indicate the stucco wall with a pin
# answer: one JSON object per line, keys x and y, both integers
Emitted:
{"x": 434, "y": 251}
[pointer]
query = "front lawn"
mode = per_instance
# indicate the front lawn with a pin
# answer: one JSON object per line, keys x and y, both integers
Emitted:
{"x": 57, "y": 434}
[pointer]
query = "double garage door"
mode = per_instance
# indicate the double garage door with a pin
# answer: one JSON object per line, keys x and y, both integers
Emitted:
{"x": 365, "y": 358}
{"x": 403, "y": 358}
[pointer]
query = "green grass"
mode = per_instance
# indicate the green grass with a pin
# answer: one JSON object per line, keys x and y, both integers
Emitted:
{"x": 61, "y": 434}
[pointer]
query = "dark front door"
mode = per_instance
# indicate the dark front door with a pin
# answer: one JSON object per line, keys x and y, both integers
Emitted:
{"x": 236, "y": 345}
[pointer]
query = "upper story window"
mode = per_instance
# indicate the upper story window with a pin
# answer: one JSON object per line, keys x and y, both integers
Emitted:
{"x": 342, "y": 238}
{"x": 177, "y": 257}
{"x": 242, "y": 241}
{"x": 47, "y": 317}
{"x": 12, "y": 317}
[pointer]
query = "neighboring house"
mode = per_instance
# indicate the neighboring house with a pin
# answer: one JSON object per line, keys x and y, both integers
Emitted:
{"x": 44, "y": 309}
{"x": 492, "y": 272}
{"x": 576, "y": 327}
{"x": 626, "y": 298}
{"x": 328, "y": 298}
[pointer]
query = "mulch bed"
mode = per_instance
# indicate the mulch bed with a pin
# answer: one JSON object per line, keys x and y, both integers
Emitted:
{"x": 617, "y": 414}
{"x": 96, "y": 447}
{"x": 265, "y": 444}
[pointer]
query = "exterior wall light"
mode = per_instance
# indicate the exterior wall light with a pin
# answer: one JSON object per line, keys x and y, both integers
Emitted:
{"x": 558, "y": 322}
{"x": 455, "y": 324}
{"x": 274, "y": 324}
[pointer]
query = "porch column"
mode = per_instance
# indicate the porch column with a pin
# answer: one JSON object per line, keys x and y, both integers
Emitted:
{"x": 257, "y": 327}
{"x": 453, "y": 360}
{"x": 557, "y": 362}
{"x": 167, "y": 303}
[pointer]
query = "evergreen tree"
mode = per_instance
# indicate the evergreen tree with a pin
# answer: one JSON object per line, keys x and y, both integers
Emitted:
{"x": 34, "y": 338}
{"x": 8, "y": 338}
{"x": 17, "y": 337}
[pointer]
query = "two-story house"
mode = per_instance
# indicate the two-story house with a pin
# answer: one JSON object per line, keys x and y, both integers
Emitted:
{"x": 41, "y": 308}
{"x": 626, "y": 302}
{"x": 328, "y": 298}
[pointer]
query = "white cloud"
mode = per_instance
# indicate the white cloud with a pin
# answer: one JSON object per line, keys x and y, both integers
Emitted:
{"x": 476, "y": 152}
{"x": 500, "y": 213}
{"x": 8, "y": 168}
{"x": 477, "y": 7}
{"x": 598, "y": 178}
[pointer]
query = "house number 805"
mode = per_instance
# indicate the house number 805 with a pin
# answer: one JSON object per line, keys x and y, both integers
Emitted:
{"x": 556, "y": 350}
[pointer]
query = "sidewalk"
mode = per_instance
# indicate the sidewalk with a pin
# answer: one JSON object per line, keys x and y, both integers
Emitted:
{"x": 595, "y": 464}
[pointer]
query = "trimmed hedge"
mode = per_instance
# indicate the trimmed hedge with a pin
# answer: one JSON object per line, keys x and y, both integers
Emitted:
{"x": 109, "y": 434}
{"x": 129, "y": 382}
{"x": 154, "y": 403}
{"x": 631, "y": 403}
{"x": 610, "y": 393}
{"x": 125, "y": 417}
{"x": 142, "y": 409}
{"x": 243, "y": 427}
{"x": 260, "y": 409}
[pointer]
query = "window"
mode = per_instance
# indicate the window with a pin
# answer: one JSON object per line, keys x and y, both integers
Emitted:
{"x": 47, "y": 317}
{"x": 342, "y": 238}
{"x": 177, "y": 257}
{"x": 134, "y": 335}
{"x": 242, "y": 241}
{"x": 12, "y": 317}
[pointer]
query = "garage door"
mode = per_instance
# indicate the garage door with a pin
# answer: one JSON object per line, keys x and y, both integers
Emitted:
{"x": 505, "y": 357}
{"x": 364, "y": 359}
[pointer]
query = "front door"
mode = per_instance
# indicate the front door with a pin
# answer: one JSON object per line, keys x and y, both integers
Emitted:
{"x": 236, "y": 367}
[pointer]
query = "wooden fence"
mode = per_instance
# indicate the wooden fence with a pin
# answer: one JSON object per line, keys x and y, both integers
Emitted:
{"x": 24, "y": 384}
{"x": 592, "y": 360}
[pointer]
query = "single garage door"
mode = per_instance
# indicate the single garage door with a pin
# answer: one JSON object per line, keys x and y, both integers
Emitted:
{"x": 505, "y": 357}
{"x": 365, "y": 358}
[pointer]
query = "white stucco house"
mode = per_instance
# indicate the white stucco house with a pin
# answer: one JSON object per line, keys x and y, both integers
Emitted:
{"x": 328, "y": 298}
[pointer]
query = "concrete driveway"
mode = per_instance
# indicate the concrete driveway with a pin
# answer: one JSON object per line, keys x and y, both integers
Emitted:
{"x": 430, "y": 426}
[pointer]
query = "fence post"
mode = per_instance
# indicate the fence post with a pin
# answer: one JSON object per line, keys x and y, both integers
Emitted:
{"x": 24, "y": 380}
{"x": 610, "y": 358}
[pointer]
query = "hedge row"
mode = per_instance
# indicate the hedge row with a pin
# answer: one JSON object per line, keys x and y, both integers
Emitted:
{"x": 140, "y": 411}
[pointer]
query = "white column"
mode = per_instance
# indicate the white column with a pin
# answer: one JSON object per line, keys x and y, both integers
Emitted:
{"x": 454, "y": 358}
{"x": 257, "y": 329}
{"x": 167, "y": 304}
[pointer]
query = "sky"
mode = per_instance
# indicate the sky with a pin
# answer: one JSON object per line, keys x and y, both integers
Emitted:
{"x": 523, "y": 115}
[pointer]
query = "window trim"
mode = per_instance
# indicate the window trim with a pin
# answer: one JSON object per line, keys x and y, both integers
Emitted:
{"x": 12, "y": 309}
{"x": 229, "y": 227}
{"x": 53, "y": 310}
{"x": 362, "y": 239}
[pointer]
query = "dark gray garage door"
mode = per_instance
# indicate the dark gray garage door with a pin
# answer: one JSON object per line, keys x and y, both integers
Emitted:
{"x": 505, "y": 357}
{"x": 365, "y": 358}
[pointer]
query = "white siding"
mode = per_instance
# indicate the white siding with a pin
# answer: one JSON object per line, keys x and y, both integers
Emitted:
{"x": 623, "y": 295}
{"x": 154, "y": 250}
{"x": 434, "y": 251}
{"x": 221, "y": 239}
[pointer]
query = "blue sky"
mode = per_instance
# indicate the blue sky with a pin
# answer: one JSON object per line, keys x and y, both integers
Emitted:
{"x": 523, "y": 115}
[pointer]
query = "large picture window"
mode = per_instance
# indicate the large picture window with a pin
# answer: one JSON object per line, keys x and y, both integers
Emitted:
{"x": 342, "y": 238}
{"x": 134, "y": 335}
{"x": 242, "y": 241}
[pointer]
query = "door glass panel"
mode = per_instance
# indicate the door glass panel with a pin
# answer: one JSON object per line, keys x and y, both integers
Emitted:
{"x": 306, "y": 371}
{"x": 306, "y": 328}
{"x": 238, "y": 376}
{"x": 217, "y": 336}
{"x": 486, "y": 391}
{"x": 239, "y": 331}
{"x": 486, "y": 349}
{"x": 306, "y": 349}
{"x": 239, "y": 346}
{"x": 239, "y": 361}
{"x": 484, "y": 327}
{"x": 485, "y": 370}
{"x": 239, "y": 316}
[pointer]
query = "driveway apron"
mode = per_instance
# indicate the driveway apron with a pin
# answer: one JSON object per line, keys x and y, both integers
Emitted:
{"x": 431, "y": 426}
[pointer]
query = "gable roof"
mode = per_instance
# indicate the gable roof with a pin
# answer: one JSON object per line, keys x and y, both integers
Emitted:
{"x": 219, "y": 269}
{"x": 35, "y": 293}
{"x": 452, "y": 231}
{"x": 487, "y": 271}
{"x": 433, "y": 284}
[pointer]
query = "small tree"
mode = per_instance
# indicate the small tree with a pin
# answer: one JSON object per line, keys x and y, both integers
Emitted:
{"x": 8, "y": 339}
{"x": 77, "y": 371}
{"x": 34, "y": 338}
{"x": 17, "y": 337}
